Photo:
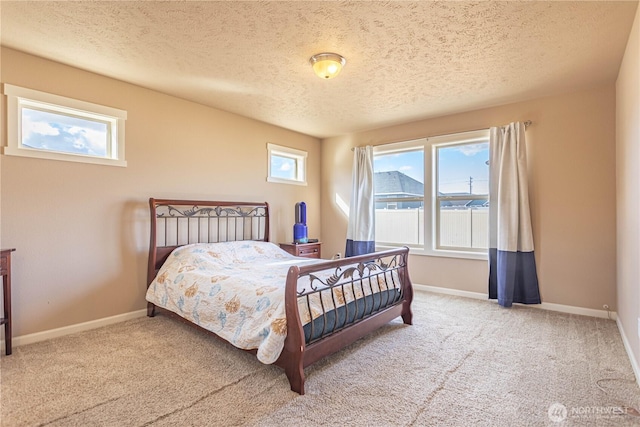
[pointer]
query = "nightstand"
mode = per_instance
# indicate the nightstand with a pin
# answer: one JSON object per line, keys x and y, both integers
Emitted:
{"x": 307, "y": 250}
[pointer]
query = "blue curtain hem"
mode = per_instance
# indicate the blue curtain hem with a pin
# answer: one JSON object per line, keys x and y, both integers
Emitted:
{"x": 355, "y": 247}
{"x": 513, "y": 278}
{"x": 508, "y": 304}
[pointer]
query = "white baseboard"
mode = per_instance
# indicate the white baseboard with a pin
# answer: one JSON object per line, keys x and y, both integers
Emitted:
{"x": 627, "y": 347}
{"x": 449, "y": 291}
{"x": 72, "y": 329}
{"x": 544, "y": 306}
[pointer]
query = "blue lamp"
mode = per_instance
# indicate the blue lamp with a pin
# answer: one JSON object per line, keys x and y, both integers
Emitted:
{"x": 300, "y": 227}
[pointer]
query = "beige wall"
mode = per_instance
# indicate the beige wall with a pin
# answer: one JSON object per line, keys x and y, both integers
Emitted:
{"x": 572, "y": 166}
{"x": 81, "y": 231}
{"x": 628, "y": 190}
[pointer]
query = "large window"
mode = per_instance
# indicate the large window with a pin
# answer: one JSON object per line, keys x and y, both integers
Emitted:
{"x": 462, "y": 196}
{"x": 49, "y": 126}
{"x": 433, "y": 194}
{"x": 399, "y": 195}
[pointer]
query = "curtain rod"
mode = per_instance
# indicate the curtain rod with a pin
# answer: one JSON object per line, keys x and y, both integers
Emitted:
{"x": 526, "y": 123}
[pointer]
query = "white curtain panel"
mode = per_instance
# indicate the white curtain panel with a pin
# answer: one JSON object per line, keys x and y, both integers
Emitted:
{"x": 361, "y": 227}
{"x": 512, "y": 265}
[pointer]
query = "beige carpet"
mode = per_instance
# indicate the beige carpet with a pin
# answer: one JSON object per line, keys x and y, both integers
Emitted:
{"x": 464, "y": 362}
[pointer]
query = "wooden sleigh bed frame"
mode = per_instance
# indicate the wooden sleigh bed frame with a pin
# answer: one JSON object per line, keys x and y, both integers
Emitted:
{"x": 175, "y": 223}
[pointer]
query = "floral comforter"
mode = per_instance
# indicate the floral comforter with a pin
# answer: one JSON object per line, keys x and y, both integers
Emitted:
{"x": 234, "y": 289}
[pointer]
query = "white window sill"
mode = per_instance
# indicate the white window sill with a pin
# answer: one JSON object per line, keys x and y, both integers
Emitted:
{"x": 442, "y": 254}
{"x": 285, "y": 181}
{"x": 37, "y": 154}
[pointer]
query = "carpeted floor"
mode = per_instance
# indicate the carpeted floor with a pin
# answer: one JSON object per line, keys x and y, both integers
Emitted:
{"x": 464, "y": 362}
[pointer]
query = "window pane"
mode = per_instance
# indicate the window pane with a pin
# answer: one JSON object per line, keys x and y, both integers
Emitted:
{"x": 283, "y": 167}
{"x": 49, "y": 131}
{"x": 464, "y": 225}
{"x": 399, "y": 193}
{"x": 463, "y": 170}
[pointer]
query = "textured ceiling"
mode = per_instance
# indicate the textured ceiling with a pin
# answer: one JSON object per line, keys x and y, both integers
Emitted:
{"x": 405, "y": 60}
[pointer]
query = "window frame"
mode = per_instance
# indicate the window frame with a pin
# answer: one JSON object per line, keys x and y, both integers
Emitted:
{"x": 447, "y": 141}
{"x": 20, "y": 97}
{"x": 429, "y": 247}
{"x": 300, "y": 158}
{"x": 403, "y": 147}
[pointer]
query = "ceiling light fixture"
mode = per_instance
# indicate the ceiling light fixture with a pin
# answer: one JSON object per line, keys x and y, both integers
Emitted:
{"x": 327, "y": 65}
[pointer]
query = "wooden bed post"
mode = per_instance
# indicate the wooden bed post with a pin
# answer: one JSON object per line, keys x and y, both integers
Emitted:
{"x": 292, "y": 357}
{"x": 151, "y": 267}
{"x": 407, "y": 314}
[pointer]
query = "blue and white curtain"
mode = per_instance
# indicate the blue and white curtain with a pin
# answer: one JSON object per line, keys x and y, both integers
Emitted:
{"x": 361, "y": 227}
{"x": 512, "y": 265}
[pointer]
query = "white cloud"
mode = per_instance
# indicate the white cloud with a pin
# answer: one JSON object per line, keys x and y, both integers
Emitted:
{"x": 405, "y": 168}
{"x": 93, "y": 140}
{"x": 78, "y": 144}
{"x": 472, "y": 149}
{"x": 40, "y": 128}
{"x": 285, "y": 167}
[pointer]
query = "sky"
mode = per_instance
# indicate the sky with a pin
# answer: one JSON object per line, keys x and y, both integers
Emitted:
{"x": 456, "y": 165}
{"x": 283, "y": 167}
{"x": 62, "y": 133}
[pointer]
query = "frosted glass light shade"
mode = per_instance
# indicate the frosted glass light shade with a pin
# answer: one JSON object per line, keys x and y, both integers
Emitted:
{"x": 327, "y": 65}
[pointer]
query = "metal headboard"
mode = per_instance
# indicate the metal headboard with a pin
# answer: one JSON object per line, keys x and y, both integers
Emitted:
{"x": 176, "y": 223}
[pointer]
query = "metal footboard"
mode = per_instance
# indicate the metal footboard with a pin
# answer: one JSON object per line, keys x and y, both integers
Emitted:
{"x": 314, "y": 291}
{"x": 350, "y": 294}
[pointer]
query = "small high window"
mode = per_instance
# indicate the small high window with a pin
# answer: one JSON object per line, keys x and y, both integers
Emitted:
{"x": 47, "y": 126}
{"x": 287, "y": 165}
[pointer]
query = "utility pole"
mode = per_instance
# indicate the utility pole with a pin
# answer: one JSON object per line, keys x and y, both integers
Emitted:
{"x": 470, "y": 185}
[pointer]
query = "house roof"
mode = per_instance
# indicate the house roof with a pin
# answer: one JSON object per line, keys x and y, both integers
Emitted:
{"x": 396, "y": 184}
{"x": 406, "y": 61}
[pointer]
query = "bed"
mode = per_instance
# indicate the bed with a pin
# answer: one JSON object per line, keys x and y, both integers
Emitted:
{"x": 211, "y": 265}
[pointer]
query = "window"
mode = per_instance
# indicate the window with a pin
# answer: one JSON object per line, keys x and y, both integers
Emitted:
{"x": 287, "y": 165}
{"x": 47, "y": 126}
{"x": 462, "y": 196}
{"x": 433, "y": 194}
{"x": 398, "y": 183}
